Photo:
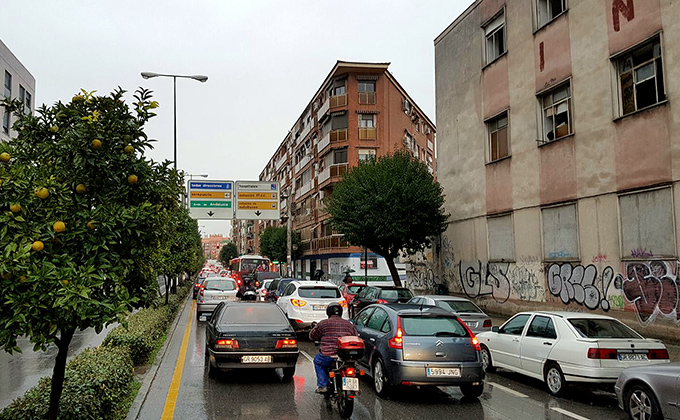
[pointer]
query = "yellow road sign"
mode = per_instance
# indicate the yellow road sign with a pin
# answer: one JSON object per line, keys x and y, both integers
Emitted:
{"x": 211, "y": 194}
{"x": 258, "y": 205}
{"x": 257, "y": 195}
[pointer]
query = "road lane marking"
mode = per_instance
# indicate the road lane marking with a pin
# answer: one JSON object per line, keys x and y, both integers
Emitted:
{"x": 304, "y": 353}
{"x": 569, "y": 413}
{"x": 508, "y": 390}
{"x": 171, "y": 400}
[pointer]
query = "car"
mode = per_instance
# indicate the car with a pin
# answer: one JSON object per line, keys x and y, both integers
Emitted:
{"x": 463, "y": 308}
{"x": 197, "y": 284}
{"x": 379, "y": 294}
{"x": 350, "y": 290}
{"x": 250, "y": 335}
{"x": 563, "y": 347}
{"x": 213, "y": 291}
{"x": 263, "y": 290}
{"x": 275, "y": 289}
{"x": 650, "y": 392}
{"x": 413, "y": 345}
{"x": 305, "y": 302}
{"x": 260, "y": 276}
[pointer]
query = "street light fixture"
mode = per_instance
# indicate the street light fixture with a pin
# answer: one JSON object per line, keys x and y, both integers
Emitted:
{"x": 191, "y": 176}
{"x": 200, "y": 78}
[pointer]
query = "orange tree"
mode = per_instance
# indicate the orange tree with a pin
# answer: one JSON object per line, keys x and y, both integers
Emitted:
{"x": 81, "y": 217}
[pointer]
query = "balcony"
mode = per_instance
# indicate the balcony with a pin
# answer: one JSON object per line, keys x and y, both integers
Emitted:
{"x": 323, "y": 110}
{"x": 333, "y": 172}
{"x": 304, "y": 189}
{"x": 368, "y": 133}
{"x": 328, "y": 242}
{"x": 325, "y": 141}
{"x": 306, "y": 130}
{"x": 301, "y": 164}
{"x": 339, "y": 100}
{"x": 366, "y": 98}
{"x": 281, "y": 161}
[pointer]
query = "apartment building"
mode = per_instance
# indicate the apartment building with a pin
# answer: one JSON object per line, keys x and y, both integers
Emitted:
{"x": 560, "y": 158}
{"x": 212, "y": 244}
{"x": 18, "y": 84}
{"x": 359, "y": 111}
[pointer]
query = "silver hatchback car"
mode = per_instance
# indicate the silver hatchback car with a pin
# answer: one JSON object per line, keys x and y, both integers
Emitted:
{"x": 463, "y": 308}
{"x": 213, "y": 291}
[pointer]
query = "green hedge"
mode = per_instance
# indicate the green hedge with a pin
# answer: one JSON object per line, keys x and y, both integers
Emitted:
{"x": 95, "y": 382}
{"x": 99, "y": 382}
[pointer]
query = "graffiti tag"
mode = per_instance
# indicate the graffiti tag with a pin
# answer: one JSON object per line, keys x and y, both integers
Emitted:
{"x": 577, "y": 283}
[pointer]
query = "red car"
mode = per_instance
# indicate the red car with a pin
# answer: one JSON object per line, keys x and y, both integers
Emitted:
{"x": 350, "y": 290}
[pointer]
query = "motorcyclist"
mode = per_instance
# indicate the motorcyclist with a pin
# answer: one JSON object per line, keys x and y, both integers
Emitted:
{"x": 327, "y": 333}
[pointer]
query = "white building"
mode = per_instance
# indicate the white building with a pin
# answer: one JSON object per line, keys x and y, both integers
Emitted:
{"x": 18, "y": 83}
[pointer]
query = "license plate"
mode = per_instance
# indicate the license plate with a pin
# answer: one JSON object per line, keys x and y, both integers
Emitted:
{"x": 319, "y": 307}
{"x": 453, "y": 372}
{"x": 256, "y": 359}
{"x": 350, "y": 384}
{"x": 471, "y": 324}
{"x": 627, "y": 357}
{"x": 222, "y": 297}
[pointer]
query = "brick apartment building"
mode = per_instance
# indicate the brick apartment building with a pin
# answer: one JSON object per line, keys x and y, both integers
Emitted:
{"x": 359, "y": 111}
{"x": 557, "y": 138}
{"x": 18, "y": 83}
{"x": 212, "y": 244}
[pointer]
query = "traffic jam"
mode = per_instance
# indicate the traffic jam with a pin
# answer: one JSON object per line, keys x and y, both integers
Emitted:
{"x": 255, "y": 319}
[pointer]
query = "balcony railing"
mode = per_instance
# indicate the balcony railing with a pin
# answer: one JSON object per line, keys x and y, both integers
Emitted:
{"x": 325, "y": 141}
{"x": 366, "y": 98}
{"x": 339, "y": 100}
{"x": 338, "y": 135}
{"x": 328, "y": 242}
{"x": 306, "y": 130}
{"x": 323, "y": 110}
{"x": 301, "y": 164}
{"x": 281, "y": 161}
{"x": 368, "y": 133}
{"x": 304, "y": 188}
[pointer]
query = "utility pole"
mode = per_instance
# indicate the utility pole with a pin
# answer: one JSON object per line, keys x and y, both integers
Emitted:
{"x": 289, "y": 233}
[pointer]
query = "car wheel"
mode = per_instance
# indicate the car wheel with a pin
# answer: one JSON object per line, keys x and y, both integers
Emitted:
{"x": 554, "y": 379}
{"x": 288, "y": 373}
{"x": 487, "y": 363}
{"x": 640, "y": 403}
{"x": 382, "y": 388}
{"x": 472, "y": 391}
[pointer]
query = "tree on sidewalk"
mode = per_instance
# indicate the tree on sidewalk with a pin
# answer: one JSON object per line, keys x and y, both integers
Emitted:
{"x": 388, "y": 205}
{"x": 227, "y": 253}
{"x": 81, "y": 219}
{"x": 274, "y": 243}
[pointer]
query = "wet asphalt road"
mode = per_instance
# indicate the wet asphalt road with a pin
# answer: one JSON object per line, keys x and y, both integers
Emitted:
{"x": 260, "y": 394}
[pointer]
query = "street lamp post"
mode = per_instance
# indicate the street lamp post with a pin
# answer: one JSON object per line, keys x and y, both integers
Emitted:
{"x": 200, "y": 78}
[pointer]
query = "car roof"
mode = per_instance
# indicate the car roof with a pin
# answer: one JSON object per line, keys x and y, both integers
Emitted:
{"x": 315, "y": 283}
{"x": 445, "y": 297}
{"x": 393, "y": 288}
{"x": 409, "y": 308}
{"x": 568, "y": 314}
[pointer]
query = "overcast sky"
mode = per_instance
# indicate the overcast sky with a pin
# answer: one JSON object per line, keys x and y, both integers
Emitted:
{"x": 264, "y": 60}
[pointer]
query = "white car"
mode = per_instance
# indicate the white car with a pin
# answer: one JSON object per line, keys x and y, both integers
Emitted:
{"x": 305, "y": 302}
{"x": 213, "y": 291}
{"x": 262, "y": 290}
{"x": 563, "y": 347}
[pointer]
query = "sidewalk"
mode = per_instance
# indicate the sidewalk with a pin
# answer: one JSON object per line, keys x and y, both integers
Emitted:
{"x": 673, "y": 350}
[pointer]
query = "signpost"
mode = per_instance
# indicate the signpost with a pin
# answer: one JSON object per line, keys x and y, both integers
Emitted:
{"x": 257, "y": 200}
{"x": 212, "y": 200}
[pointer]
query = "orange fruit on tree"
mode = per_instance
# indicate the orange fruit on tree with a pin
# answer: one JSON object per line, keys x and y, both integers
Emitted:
{"x": 92, "y": 224}
{"x": 64, "y": 282}
{"x": 129, "y": 149}
{"x": 15, "y": 208}
{"x": 81, "y": 188}
{"x": 77, "y": 98}
{"x": 38, "y": 246}
{"x": 96, "y": 144}
{"x": 42, "y": 193}
{"x": 59, "y": 226}
{"x": 132, "y": 179}
{"x": 54, "y": 129}
{"x": 22, "y": 279}
{"x": 4, "y": 157}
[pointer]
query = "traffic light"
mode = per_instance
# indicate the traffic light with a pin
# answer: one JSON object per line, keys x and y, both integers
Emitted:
{"x": 218, "y": 246}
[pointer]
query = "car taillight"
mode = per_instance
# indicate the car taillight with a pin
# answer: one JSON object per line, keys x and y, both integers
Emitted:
{"x": 202, "y": 288}
{"x": 381, "y": 301}
{"x": 343, "y": 303}
{"x": 475, "y": 343}
{"x": 658, "y": 354}
{"x": 487, "y": 323}
{"x": 197, "y": 285}
{"x": 397, "y": 342}
{"x": 597, "y": 353}
{"x": 226, "y": 343}
{"x": 288, "y": 343}
{"x": 298, "y": 302}
{"x": 473, "y": 339}
{"x": 350, "y": 371}
{"x": 257, "y": 284}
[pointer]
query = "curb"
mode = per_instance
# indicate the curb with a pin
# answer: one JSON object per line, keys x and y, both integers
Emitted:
{"x": 150, "y": 374}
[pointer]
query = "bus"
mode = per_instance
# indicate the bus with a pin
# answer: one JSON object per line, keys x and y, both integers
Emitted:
{"x": 243, "y": 268}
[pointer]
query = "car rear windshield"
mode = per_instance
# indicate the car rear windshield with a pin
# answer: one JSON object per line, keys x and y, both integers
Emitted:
{"x": 459, "y": 306}
{"x": 433, "y": 326}
{"x": 391, "y": 294}
{"x": 602, "y": 328}
{"x": 319, "y": 292}
{"x": 252, "y": 314}
{"x": 224, "y": 285}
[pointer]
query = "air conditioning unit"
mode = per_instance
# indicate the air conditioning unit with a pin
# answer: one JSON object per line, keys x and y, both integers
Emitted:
{"x": 427, "y": 130}
{"x": 407, "y": 142}
{"x": 406, "y": 106}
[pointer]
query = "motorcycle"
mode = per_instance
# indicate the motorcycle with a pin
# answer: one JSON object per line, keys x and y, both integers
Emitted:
{"x": 344, "y": 375}
{"x": 247, "y": 292}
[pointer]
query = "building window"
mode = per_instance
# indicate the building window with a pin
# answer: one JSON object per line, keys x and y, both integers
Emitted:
{"x": 557, "y": 114}
{"x": 501, "y": 238}
{"x": 340, "y": 156}
{"x": 5, "y": 122}
{"x": 366, "y": 121}
{"x": 8, "y": 85}
{"x": 495, "y": 38}
{"x": 366, "y": 86}
{"x": 548, "y": 10}
{"x": 366, "y": 154}
{"x": 22, "y": 94}
{"x": 498, "y": 137}
{"x": 640, "y": 78}
{"x": 560, "y": 232}
{"x": 647, "y": 229}
{"x": 338, "y": 88}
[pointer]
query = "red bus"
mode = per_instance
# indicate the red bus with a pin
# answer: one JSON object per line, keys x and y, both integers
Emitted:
{"x": 243, "y": 268}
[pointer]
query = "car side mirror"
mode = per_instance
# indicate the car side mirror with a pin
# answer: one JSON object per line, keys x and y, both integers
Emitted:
{"x": 494, "y": 329}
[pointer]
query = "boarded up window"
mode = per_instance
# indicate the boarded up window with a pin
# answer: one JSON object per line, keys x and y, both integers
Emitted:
{"x": 501, "y": 238}
{"x": 647, "y": 224}
{"x": 560, "y": 233}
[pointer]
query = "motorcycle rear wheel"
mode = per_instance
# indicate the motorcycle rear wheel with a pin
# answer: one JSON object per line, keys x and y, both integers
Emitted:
{"x": 345, "y": 405}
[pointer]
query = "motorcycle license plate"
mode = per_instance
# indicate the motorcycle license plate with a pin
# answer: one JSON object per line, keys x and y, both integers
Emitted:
{"x": 451, "y": 372}
{"x": 256, "y": 359}
{"x": 350, "y": 384}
